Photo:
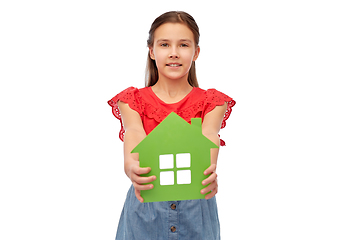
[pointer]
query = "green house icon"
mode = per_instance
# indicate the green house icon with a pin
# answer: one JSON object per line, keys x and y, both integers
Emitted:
{"x": 178, "y": 154}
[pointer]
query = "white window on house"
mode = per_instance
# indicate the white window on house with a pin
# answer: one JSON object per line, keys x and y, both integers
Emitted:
{"x": 167, "y": 178}
{"x": 167, "y": 169}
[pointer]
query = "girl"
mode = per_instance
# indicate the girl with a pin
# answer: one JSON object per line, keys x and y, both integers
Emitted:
{"x": 171, "y": 86}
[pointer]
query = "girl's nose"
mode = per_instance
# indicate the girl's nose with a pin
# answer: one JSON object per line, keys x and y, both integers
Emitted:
{"x": 174, "y": 54}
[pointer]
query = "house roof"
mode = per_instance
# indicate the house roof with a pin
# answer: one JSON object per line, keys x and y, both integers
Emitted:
{"x": 175, "y": 132}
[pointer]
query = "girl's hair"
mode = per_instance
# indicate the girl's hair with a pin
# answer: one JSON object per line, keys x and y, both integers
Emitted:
{"x": 171, "y": 17}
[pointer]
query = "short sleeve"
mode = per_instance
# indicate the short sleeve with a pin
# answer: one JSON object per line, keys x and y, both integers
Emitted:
{"x": 130, "y": 96}
{"x": 216, "y": 98}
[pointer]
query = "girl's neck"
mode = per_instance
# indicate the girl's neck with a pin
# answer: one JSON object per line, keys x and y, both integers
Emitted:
{"x": 171, "y": 91}
{"x": 172, "y": 88}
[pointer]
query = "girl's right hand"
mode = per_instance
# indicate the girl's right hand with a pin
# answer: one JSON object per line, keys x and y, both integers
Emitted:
{"x": 134, "y": 174}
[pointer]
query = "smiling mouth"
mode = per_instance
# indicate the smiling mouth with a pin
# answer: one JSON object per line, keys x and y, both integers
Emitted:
{"x": 174, "y": 65}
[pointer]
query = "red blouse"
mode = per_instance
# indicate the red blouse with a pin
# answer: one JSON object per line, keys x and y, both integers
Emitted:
{"x": 153, "y": 110}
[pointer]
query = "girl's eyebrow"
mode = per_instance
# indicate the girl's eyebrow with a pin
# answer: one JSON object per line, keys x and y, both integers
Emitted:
{"x": 162, "y": 40}
{"x": 167, "y": 40}
{"x": 185, "y": 40}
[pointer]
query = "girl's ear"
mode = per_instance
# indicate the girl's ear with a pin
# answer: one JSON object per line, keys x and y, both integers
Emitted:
{"x": 151, "y": 53}
{"x": 197, "y": 52}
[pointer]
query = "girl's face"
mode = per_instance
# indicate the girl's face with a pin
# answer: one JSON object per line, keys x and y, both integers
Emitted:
{"x": 174, "y": 50}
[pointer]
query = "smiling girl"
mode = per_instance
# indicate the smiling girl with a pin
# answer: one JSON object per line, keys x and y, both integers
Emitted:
{"x": 171, "y": 86}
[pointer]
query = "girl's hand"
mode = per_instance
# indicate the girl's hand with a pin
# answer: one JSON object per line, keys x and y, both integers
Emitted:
{"x": 134, "y": 173}
{"x": 212, "y": 179}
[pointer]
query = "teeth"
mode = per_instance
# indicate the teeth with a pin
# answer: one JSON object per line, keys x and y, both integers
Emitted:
{"x": 174, "y": 65}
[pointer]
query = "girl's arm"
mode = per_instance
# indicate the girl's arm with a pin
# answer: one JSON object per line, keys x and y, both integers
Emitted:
{"x": 210, "y": 129}
{"x": 134, "y": 134}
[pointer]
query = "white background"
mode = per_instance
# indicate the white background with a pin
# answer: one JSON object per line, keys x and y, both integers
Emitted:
{"x": 290, "y": 169}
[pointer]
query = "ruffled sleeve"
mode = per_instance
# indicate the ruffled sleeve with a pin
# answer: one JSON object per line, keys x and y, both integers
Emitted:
{"x": 130, "y": 96}
{"x": 216, "y": 98}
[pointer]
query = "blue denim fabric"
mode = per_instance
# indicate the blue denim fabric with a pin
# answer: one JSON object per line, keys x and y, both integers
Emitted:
{"x": 190, "y": 220}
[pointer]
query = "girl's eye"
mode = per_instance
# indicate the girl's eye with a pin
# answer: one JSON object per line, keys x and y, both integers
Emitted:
{"x": 184, "y": 45}
{"x": 164, "y": 45}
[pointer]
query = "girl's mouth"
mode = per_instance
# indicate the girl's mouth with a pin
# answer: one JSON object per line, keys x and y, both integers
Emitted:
{"x": 174, "y": 65}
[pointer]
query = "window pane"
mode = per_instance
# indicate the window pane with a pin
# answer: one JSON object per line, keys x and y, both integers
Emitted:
{"x": 166, "y": 161}
{"x": 183, "y": 177}
{"x": 167, "y": 178}
{"x": 183, "y": 160}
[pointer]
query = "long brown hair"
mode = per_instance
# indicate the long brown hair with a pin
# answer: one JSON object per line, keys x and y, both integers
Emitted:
{"x": 152, "y": 75}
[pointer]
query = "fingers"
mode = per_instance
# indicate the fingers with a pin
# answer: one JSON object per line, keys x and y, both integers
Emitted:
{"x": 209, "y": 188}
{"x": 212, "y": 194}
{"x": 140, "y": 182}
{"x": 140, "y": 187}
{"x": 210, "y": 179}
{"x": 136, "y": 171}
{"x": 210, "y": 169}
{"x": 212, "y": 188}
{"x": 139, "y": 170}
{"x": 143, "y": 186}
{"x": 138, "y": 196}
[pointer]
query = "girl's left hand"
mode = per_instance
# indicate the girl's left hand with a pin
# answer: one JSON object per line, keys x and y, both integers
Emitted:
{"x": 212, "y": 179}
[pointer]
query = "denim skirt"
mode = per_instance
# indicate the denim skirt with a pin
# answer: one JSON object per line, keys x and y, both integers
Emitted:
{"x": 180, "y": 220}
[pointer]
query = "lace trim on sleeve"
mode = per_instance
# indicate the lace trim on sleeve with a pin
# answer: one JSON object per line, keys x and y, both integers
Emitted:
{"x": 215, "y": 98}
{"x": 116, "y": 112}
{"x": 130, "y": 97}
{"x": 230, "y": 105}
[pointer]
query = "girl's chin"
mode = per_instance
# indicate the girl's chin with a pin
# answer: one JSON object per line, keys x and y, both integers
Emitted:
{"x": 174, "y": 76}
